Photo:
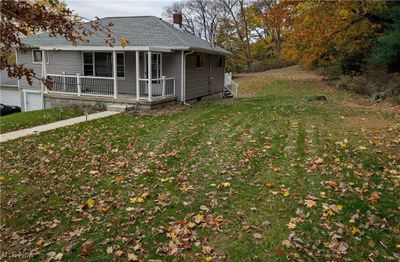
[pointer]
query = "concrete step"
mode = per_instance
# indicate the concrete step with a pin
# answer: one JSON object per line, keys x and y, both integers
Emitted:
{"x": 120, "y": 107}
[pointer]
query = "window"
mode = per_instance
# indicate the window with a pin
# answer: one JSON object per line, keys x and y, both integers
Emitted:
{"x": 199, "y": 61}
{"x": 220, "y": 63}
{"x": 37, "y": 56}
{"x": 103, "y": 64}
{"x": 88, "y": 64}
{"x": 100, "y": 64}
{"x": 120, "y": 65}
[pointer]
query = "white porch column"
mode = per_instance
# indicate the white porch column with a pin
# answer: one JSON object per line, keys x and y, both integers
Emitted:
{"x": 44, "y": 68}
{"x": 114, "y": 64}
{"x": 149, "y": 74}
{"x": 137, "y": 75}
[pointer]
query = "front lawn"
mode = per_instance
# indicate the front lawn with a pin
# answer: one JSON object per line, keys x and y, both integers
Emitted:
{"x": 267, "y": 177}
{"x": 23, "y": 120}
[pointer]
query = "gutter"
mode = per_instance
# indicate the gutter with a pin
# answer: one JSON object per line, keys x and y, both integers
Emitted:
{"x": 183, "y": 78}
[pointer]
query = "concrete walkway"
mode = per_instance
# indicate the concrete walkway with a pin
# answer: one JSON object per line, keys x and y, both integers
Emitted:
{"x": 68, "y": 122}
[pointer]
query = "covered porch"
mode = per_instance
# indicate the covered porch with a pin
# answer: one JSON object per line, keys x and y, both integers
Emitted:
{"x": 117, "y": 76}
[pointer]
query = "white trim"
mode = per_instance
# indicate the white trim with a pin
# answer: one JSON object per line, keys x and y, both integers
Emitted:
{"x": 182, "y": 73}
{"x": 24, "y": 91}
{"x": 116, "y": 48}
{"x": 93, "y": 77}
{"x": 149, "y": 75}
{"x": 33, "y": 56}
{"x": 161, "y": 63}
{"x": 137, "y": 75}
{"x": 41, "y": 61}
{"x": 114, "y": 66}
{"x": 16, "y": 60}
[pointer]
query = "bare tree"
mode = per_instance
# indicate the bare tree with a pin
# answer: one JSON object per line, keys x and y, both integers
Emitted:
{"x": 236, "y": 12}
{"x": 200, "y": 17}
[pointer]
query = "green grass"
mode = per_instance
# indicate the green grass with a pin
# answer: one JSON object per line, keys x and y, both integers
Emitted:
{"x": 231, "y": 159}
{"x": 23, "y": 120}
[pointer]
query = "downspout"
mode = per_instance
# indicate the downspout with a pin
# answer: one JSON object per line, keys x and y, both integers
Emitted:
{"x": 183, "y": 78}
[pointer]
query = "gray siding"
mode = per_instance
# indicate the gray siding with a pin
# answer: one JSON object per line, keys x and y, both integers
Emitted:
{"x": 171, "y": 66}
{"x": 206, "y": 80}
{"x": 128, "y": 84}
{"x": 26, "y": 59}
{"x": 69, "y": 62}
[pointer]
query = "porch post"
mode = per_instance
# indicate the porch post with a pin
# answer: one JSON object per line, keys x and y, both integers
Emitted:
{"x": 114, "y": 64}
{"x": 137, "y": 75}
{"x": 149, "y": 74}
{"x": 44, "y": 68}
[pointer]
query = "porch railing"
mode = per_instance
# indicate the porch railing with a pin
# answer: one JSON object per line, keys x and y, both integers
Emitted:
{"x": 104, "y": 86}
{"x": 231, "y": 85}
{"x": 159, "y": 88}
{"x": 82, "y": 85}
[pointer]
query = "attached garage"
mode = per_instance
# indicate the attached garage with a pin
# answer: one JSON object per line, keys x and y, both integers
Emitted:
{"x": 10, "y": 96}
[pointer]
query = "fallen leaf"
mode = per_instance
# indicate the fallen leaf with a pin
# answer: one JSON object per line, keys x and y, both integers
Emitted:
{"x": 310, "y": 203}
{"x": 59, "y": 256}
{"x": 89, "y": 203}
{"x": 132, "y": 257}
{"x": 257, "y": 236}
{"x": 136, "y": 200}
{"x": 109, "y": 250}
{"x": 374, "y": 197}
{"x": 87, "y": 248}
{"x": 355, "y": 230}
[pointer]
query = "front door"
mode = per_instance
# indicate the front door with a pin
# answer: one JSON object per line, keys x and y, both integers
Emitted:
{"x": 156, "y": 72}
{"x": 155, "y": 66}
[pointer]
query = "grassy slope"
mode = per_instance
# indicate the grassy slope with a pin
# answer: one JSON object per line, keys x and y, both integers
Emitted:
{"x": 249, "y": 161}
{"x": 23, "y": 120}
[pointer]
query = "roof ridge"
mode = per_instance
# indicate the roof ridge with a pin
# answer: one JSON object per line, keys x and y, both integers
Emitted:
{"x": 130, "y": 16}
{"x": 172, "y": 30}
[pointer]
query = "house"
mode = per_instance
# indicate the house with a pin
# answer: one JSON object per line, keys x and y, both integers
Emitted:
{"x": 161, "y": 64}
{"x": 9, "y": 92}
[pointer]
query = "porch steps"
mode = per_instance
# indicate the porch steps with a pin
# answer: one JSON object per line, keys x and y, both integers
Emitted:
{"x": 120, "y": 107}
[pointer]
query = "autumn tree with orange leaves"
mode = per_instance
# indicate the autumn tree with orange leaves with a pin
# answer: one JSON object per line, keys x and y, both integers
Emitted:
{"x": 325, "y": 33}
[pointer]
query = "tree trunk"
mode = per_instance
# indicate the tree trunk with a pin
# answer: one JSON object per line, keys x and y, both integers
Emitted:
{"x": 278, "y": 47}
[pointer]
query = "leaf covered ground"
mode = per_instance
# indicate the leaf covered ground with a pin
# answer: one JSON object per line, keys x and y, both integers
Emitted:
{"x": 271, "y": 176}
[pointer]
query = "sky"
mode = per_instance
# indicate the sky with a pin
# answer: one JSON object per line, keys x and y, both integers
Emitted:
{"x": 102, "y": 8}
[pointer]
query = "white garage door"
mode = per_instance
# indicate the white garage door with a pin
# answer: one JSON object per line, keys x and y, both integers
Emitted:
{"x": 33, "y": 101}
{"x": 10, "y": 97}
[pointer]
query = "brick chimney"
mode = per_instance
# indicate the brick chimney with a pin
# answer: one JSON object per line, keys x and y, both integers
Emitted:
{"x": 177, "y": 20}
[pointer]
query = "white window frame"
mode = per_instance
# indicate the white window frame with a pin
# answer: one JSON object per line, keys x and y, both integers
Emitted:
{"x": 159, "y": 64}
{"x": 94, "y": 63}
{"x": 41, "y": 55}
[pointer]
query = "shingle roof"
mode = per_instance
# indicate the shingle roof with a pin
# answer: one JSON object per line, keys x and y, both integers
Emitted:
{"x": 148, "y": 31}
